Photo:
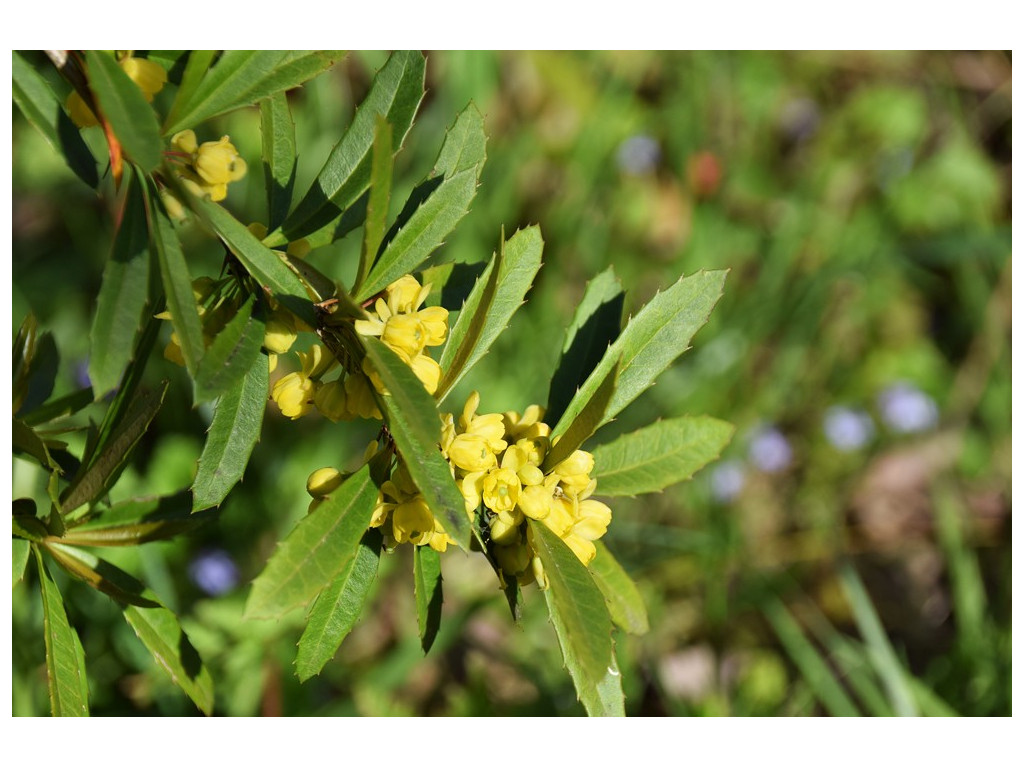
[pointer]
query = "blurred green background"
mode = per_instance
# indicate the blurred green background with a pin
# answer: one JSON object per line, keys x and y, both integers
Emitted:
{"x": 850, "y": 553}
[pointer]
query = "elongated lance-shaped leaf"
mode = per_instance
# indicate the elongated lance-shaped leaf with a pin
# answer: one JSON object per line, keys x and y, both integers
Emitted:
{"x": 595, "y": 326}
{"x": 451, "y": 282}
{"x": 195, "y": 70}
{"x": 35, "y": 367}
{"x": 880, "y": 651}
{"x": 336, "y": 609}
{"x": 625, "y": 604}
{"x": 124, "y": 294}
{"x": 823, "y": 684}
{"x": 154, "y": 624}
{"x": 232, "y": 436}
{"x": 177, "y": 288}
{"x": 659, "y": 455}
{"x": 20, "y": 550}
{"x": 659, "y": 333}
{"x": 316, "y": 550}
{"x": 278, "y": 131}
{"x": 586, "y": 421}
{"x": 25, "y": 440}
{"x": 65, "y": 660}
{"x": 135, "y": 521}
{"x": 100, "y": 475}
{"x": 66, "y": 405}
{"x": 126, "y": 110}
{"x": 459, "y": 164}
{"x": 241, "y": 78}
{"x": 381, "y": 167}
{"x": 429, "y": 596}
{"x": 396, "y": 94}
{"x": 415, "y": 425}
{"x": 40, "y": 106}
{"x": 259, "y": 261}
{"x": 498, "y": 293}
{"x": 582, "y": 623}
{"x": 232, "y": 354}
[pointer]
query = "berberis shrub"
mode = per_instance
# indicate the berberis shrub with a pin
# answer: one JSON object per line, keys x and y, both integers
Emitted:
{"x": 524, "y": 489}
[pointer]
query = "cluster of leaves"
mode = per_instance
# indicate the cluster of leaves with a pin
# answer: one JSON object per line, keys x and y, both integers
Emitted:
{"x": 329, "y": 558}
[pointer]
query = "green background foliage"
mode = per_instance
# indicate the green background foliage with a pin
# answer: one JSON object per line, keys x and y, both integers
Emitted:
{"x": 861, "y": 205}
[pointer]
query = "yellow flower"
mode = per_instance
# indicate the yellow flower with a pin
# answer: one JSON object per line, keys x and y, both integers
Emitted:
{"x": 406, "y": 294}
{"x": 501, "y": 490}
{"x": 280, "y": 333}
{"x": 427, "y": 371}
{"x": 294, "y": 395}
{"x": 212, "y": 164}
{"x": 471, "y": 453}
{"x": 331, "y": 401}
{"x": 323, "y": 481}
{"x": 412, "y": 521}
{"x": 359, "y": 397}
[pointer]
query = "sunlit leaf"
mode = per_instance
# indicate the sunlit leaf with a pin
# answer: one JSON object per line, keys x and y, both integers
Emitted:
{"x": 625, "y": 604}
{"x": 659, "y": 455}
{"x": 278, "y": 131}
{"x": 233, "y": 434}
{"x": 377, "y": 202}
{"x": 233, "y": 353}
{"x": 336, "y": 609}
{"x": 126, "y": 109}
{"x": 65, "y": 661}
{"x": 412, "y": 417}
{"x": 177, "y": 288}
{"x": 316, "y": 550}
{"x": 135, "y": 521}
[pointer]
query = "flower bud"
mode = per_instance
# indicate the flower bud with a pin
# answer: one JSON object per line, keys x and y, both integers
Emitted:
{"x": 323, "y": 481}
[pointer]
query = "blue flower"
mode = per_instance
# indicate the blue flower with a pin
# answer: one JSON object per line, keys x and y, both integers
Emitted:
{"x": 906, "y": 409}
{"x": 214, "y": 572}
{"x": 638, "y": 155}
{"x": 770, "y": 450}
{"x": 848, "y": 428}
{"x": 727, "y": 480}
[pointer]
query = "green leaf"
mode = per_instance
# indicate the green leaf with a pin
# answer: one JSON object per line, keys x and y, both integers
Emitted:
{"x": 451, "y": 282}
{"x": 498, "y": 293}
{"x": 62, "y": 406}
{"x": 396, "y": 94}
{"x": 336, "y": 609}
{"x": 241, "y": 78}
{"x": 154, "y": 624}
{"x": 161, "y": 633}
{"x": 320, "y": 285}
{"x": 65, "y": 661}
{"x": 195, "y": 70}
{"x": 112, "y": 457}
{"x": 316, "y": 550}
{"x": 429, "y": 597}
{"x": 659, "y": 455}
{"x": 582, "y": 623}
{"x": 585, "y": 422}
{"x": 35, "y": 367}
{"x": 595, "y": 325}
{"x": 232, "y": 436}
{"x": 381, "y": 168}
{"x": 412, "y": 417}
{"x": 126, "y": 109}
{"x": 233, "y": 353}
{"x": 278, "y": 131}
{"x": 459, "y": 163}
{"x": 880, "y": 651}
{"x": 177, "y": 288}
{"x": 42, "y": 109}
{"x": 265, "y": 265}
{"x": 20, "y": 550}
{"x": 25, "y": 440}
{"x": 124, "y": 294}
{"x": 625, "y": 604}
{"x": 659, "y": 333}
{"x": 136, "y": 521}
{"x": 815, "y": 671}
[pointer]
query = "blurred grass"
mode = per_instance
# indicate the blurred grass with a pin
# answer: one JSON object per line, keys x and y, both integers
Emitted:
{"x": 862, "y": 204}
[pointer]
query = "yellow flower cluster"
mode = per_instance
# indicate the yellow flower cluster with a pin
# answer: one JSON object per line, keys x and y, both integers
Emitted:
{"x": 497, "y": 460}
{"x": 209, "y": 166}
{"x": 148, "y": 75}
{"x": 400, "y": 323}
{"x": 408, "y": 330}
